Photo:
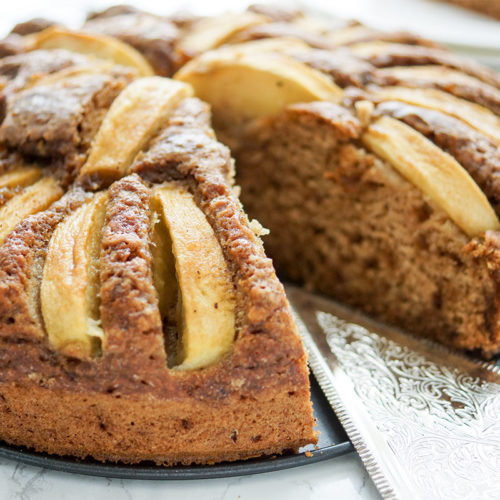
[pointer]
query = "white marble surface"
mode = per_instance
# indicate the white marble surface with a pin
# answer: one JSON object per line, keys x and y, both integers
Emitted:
{"x": 342, "y": 478}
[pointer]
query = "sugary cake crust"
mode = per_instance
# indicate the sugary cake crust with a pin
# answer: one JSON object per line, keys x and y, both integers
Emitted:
{"x": 58, "y": 121}
{"x": 153, "y": 36}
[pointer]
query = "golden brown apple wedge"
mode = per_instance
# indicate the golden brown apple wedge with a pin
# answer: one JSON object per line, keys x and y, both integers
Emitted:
{"x": 433, "y": 171}
{"x": 206, "y": 309}
{"x": 20, "y": 177}
{"x": 278, "y": 44}
{"x": 31, "y": 200}
{"x": 91, "y": 44}
{"x": 250, "y": 84}
{"x": 165, "y": 281}
{"x": 133, "y": 119}
{"x": 476, "y": 116}
{"x": 164, "y": 277}
{"x": 70, "y": 283}
{"x": 211, "y": 32}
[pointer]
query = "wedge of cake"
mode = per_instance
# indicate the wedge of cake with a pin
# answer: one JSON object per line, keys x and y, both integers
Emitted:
{"x": 139, "y": 316}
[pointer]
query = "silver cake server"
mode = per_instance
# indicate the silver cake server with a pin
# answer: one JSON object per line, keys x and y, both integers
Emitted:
{"x": 425, "y": 421}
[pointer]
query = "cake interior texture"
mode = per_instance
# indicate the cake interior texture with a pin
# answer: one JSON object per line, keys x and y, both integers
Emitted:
{"x": 344, "y": 223}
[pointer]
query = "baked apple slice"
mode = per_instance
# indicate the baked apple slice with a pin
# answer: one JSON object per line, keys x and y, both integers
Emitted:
{"x": 476, "y": 116}
{"x": 31, "y": 200}
{"x": 206, "y": 303}
{"x": 133, "y": 119}
{"x": 433, "y": 171}
{"x": 70, "y": 283}
{"x": 20, "y": 177}
{"x": 278, "y": 44}
{"x": 211, "y": 32}
{"x": 94, "y": 45}
{"x": 164, "y": 277}
{"x": 246, "y": 84}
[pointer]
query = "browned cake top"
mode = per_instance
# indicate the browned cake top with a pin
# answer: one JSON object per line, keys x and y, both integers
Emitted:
{"x": 153, "y": 36}
{"x": 19, "y": 70}
{"x": 57, "y": 120}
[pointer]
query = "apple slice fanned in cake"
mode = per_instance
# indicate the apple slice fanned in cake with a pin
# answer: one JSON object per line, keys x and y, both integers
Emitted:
{"x": 70, "y": 282}
{"x": 29, "y": 201}
{"x": 20, "y": 177}
{"x": 302, "y": 31}
{"x": 57, "y": 118}
{"x": 478, "y": 117}
{"x": 436, "y": 173}
{"x": 131, "y": 122}
{"x": 92, "y": 44}
{"x": 441, "y": 78}
{"x": 195, "y": 297}
{"x": 206, "y": 322}
{"x": 15, "y": 177}
{"x": 21, "y": 262}
{"x": 211, "y": 32}
{"x": 245, "y": 85}
{"x": 382, "y": 55}
{"x": 476, "y": 152}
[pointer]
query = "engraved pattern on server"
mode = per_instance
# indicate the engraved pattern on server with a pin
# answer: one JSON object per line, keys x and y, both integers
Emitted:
{"x": 437, "y": 420}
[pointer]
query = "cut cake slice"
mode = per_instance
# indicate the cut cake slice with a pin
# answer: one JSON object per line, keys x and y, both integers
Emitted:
{"x": 178, "y": 344}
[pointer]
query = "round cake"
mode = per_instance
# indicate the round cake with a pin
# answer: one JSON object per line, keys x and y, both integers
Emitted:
{"x": 140, "y": 318}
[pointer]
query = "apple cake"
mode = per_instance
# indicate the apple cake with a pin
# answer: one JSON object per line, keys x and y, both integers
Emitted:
{"x": 139, "y": 316}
